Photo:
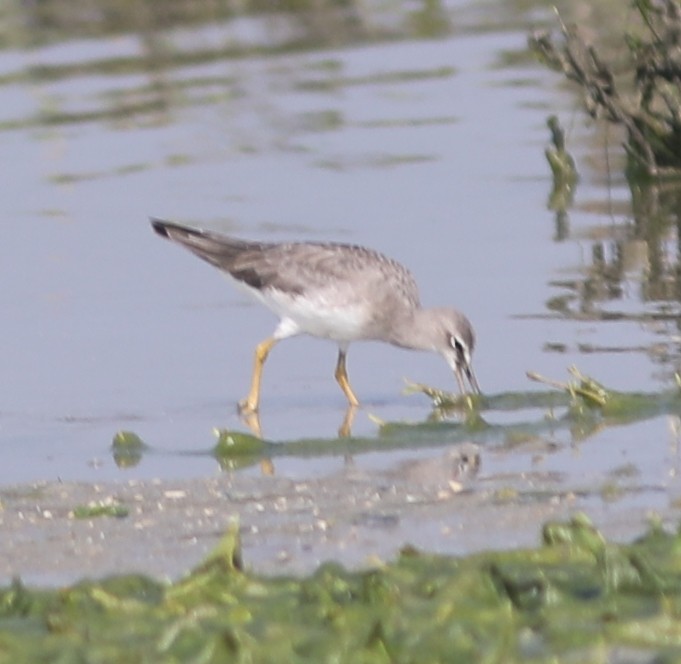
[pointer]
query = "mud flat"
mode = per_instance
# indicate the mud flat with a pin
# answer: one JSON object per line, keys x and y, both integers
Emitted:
{"x": 55, "y": 533}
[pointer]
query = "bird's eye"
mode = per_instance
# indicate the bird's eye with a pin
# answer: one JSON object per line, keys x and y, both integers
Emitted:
{"x": 458, "y": 346}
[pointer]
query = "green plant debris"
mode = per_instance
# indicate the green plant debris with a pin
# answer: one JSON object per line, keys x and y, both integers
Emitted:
{"x": 562, "y": 167}
{"x": 103, "y": 508}
{"x": 445, "y": 399}
{"x": 587, "y": 394}
{"x": 577, "y": 597}
{"x": 127, "y": 440}
{"x": 506, "y": 495}
{"x": 582, "y": 405}
{"x": 235, "y": 449}
{"x": 582, "y": 396}
{"x": 235, "y": 443}
{"x": 127, "y": 449}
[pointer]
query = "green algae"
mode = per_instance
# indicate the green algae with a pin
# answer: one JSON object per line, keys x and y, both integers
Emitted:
{"x": 563, "y": 168}
{"x": 582, "y": 405}
{"x": 577, "y": 597}
{"x": 127, "y": 449}
{"x": 235, "y": 449}
{"x": 95, "y": 510}
{"x": 235, "y": 443}
{"x": 583, "y": 397}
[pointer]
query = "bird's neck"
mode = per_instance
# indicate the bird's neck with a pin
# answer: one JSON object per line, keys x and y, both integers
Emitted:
{"x": 415, "y": 331}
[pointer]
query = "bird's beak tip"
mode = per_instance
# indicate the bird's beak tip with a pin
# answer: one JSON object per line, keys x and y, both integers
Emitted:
{"x": 473, "y": 381}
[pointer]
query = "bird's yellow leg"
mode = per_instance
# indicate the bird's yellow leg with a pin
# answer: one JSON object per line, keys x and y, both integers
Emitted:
{"x": 342, "y": 379}
{"x": 251, "y": 419}
{"x": 345, "y": 430}
{"x": 251, "y": 402}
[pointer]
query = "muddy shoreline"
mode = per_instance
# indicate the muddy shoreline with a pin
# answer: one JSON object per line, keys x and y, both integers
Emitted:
{"x": 354, "y": 517}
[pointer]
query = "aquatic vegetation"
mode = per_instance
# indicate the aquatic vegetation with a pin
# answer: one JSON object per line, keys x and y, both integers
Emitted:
{"x": 577, "y": 597}
{"x": 562, "y": 166}
{"x": 234, "y": 444}
{"x": 582, "y": 405}
{"x": 97, "y": 509}
{"x": 127, "y": 449}
{"x": 637, "y": 89}
{"x": 583, "y": 396}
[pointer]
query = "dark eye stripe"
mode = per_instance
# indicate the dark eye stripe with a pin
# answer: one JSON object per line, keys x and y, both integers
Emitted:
{"x": 458, "y": 346}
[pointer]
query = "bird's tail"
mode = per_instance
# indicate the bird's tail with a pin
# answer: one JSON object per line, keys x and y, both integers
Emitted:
{"x": 215, "y": 248}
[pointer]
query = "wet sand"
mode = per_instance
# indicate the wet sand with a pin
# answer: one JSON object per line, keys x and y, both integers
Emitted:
{"x": 354, "y": 517}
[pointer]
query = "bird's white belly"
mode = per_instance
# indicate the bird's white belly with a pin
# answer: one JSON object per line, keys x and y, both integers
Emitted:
{"x": 316, "y": 315}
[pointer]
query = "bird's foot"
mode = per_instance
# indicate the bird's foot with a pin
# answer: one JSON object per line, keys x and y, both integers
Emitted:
{"x": 251, "y": 419}
{"x": 345, "y": 430}
{"x": 247, "y": 407}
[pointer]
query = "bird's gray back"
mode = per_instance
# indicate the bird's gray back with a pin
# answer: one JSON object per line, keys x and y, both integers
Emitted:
{"x": 331, "y": 274}
{"x": 300, "y": 267}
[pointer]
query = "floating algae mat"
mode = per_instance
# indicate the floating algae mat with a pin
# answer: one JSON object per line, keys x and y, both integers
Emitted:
{"x": 581, "y": 396}
{"x": 582, "y": 405}
{"x": 576, "y": 598}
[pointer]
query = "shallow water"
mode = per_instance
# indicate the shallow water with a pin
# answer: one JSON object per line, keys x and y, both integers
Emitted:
{"x": 271, "y": 127}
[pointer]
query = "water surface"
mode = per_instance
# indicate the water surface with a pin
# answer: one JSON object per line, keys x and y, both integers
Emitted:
{"x": 418, "y": 132}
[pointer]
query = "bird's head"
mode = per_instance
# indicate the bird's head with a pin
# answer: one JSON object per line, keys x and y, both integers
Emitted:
{"x": 457, "y": 348}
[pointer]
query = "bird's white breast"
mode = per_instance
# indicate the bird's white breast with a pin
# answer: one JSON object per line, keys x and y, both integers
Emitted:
{"x": 334, "y": 313}
{"x": 317, "y": 315}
